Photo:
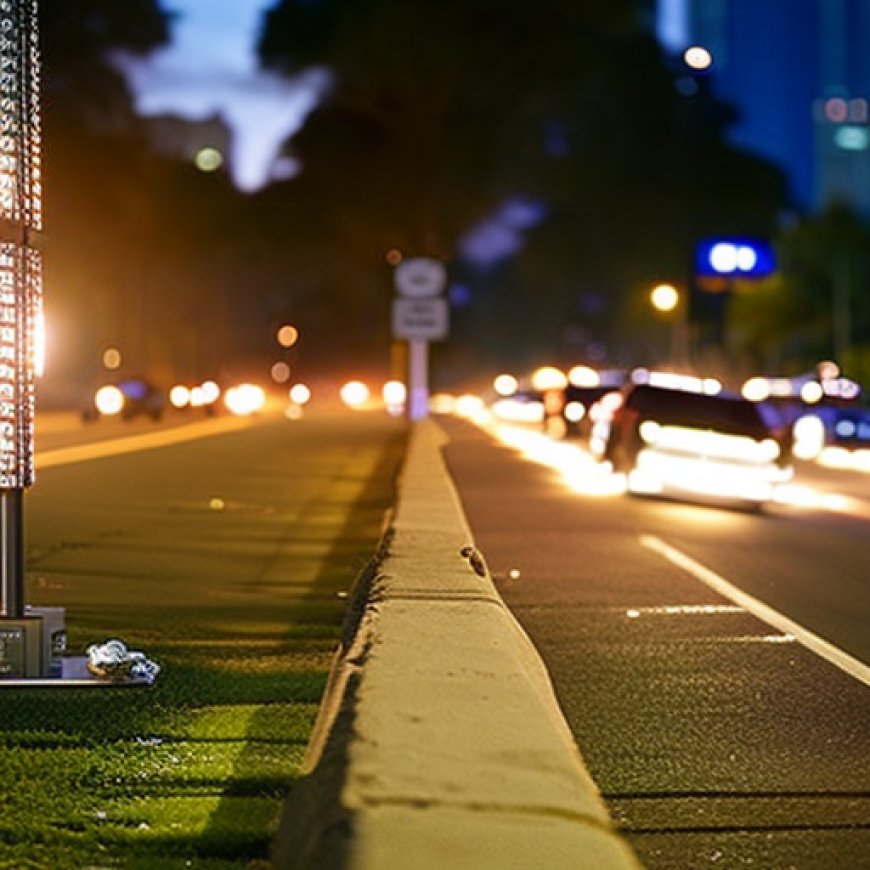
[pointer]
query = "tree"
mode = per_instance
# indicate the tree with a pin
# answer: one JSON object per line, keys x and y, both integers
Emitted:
{"x": 442, "y": 112}
{"x": 815, "y": 307}
{"x": 94, "y": 164}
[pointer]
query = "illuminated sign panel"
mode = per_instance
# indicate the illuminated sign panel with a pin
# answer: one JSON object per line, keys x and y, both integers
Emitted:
{"x": 734, "y": 257}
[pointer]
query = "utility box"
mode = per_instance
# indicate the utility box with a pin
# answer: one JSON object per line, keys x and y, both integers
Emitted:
{"x": 33, "y": 645}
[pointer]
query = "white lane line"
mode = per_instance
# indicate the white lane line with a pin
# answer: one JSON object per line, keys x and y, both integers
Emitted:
{"x": 764, "y": 612}
{"x": 134, "y": 443}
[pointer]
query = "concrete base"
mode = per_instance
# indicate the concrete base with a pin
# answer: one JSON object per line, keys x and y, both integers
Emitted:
{"x": 32, "y": 645}
{"x": 74, "y": 675}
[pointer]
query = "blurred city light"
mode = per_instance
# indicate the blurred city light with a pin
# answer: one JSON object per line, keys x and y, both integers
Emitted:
{"x": 812, "y": 392}
{"x": 442, "y": 403}
{"x": 756, "y": 389}
{"x": 394, "y": 393}
{"x": 208, "y": 159}
{"x": 179, "y": 396}
{"x": 245, "y": 399}
{"x": 288, "y": 335}
{"x": 212, "y": 391}
{"x": 505, "y": 385}
{"x": 280, "y": 372}
{"x": 583, "y": 376}
{"x": 354, "y": 394}
{"x": 109, "y": 400}
{"x": 664, "y": 297}
{"x": 698, "y": 58}
{"x": 111, "y": 358}
{"x": 808, "y": 434}
{"x": 751, "y": 258}
{"x": 549, "y": 378}
{"x": 198, "y": 398}
{"x": 300, "y": 394}
{"x": 828, "y": 369}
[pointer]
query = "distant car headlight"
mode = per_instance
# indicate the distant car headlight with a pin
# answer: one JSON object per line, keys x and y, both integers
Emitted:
{"x": 769, "y": 450}
{"x": 809, "y": 436}
{"x": 575, "y": 412}
{"x": 650, "y": 431}
{"x": 109, "y": 400}
{"x": 245, "y": 399}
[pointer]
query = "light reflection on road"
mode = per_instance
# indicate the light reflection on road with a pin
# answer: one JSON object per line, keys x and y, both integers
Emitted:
{"x": 582, "y": 474}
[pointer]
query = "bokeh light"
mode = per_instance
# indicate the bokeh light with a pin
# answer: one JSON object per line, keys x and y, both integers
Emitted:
{"x": 505, "y": 385}
{"x": 300, "y": 394}
{"x": 109, "y": 400}
{"x": 698, "y": 58}
{"x": 245, "y": 399}
{"x": 549, "y": 378}
{"x": 354, "y": 394}
{"x": 280, "y": 373}
{"x": 179, "y": 396}
{"x": 208, "y": 159}
{"x": 664, "y": 297}
{"x": 111, "y": 358}
{"x": 288, "y": 335}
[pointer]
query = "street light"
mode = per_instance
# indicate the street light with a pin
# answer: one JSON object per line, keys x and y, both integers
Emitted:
{"x": 664, "y": 297}
{"x": 667, "y": 299}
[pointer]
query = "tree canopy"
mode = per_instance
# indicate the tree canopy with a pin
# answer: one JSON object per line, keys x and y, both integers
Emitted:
{"x": 443, "y": 112}
{"x": 443, "y": 118}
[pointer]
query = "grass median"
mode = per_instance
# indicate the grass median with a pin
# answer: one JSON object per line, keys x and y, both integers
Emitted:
{"x": 238, "y": 591}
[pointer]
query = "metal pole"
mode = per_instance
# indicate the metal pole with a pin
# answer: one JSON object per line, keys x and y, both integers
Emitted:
{"x": 12, "y": 555}
{"x": 418, "y": 379}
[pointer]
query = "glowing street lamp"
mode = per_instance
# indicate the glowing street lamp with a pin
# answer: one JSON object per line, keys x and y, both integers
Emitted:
{"x": 698, "y": 58}
{"x": 666, "y": 299}
{"x": 287, "y": 335}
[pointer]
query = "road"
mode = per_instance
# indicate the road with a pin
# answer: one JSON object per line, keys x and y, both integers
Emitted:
{"x": 718, "y": 739}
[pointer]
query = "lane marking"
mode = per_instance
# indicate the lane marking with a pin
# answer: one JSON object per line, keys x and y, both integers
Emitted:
{"x": 135, "y": 443}
{"x": 832, "y": 654}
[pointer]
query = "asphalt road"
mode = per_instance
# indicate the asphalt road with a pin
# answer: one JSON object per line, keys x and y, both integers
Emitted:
{"x": 718, "y": 739}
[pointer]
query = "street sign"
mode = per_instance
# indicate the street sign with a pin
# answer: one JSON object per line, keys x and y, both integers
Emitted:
{"x": 420, "y": 277}
{"x": 420, "y": 319}
{"x": 734, "y": 258}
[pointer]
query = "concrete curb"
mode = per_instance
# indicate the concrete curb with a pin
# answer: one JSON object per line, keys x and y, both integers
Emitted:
{"x": 439, "y": 742}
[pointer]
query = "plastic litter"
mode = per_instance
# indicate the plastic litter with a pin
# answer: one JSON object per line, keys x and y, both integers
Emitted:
{"x": 113, "y": 661}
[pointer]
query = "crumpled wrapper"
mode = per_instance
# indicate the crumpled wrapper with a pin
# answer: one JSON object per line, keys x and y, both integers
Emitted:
{"x": 113, "y": 661}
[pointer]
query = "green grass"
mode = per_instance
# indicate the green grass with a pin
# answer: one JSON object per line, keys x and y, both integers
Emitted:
{"x": 242, "y": 610}
{"x": 194, "y": 768}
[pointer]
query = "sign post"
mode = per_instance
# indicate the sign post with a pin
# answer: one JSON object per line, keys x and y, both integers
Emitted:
{"x": 420, "y": 315}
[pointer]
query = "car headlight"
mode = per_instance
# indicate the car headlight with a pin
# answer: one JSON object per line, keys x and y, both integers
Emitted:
{"x": 109, "y": 400}
{"x": 650, "y": 432}
{"x": 769, "y": 450}
{"x": 809, "y": 436}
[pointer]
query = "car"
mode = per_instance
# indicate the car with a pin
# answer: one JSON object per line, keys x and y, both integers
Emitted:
{"x": 567, "y": 407}
{"x": 834, "y": 435}
{"x": 691, "y": 443}
{"x": 126, "y": 398}
{"x": 566, "y": 410}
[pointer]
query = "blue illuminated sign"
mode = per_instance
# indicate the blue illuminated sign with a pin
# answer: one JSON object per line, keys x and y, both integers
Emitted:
{"x": 734, "y": 257}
